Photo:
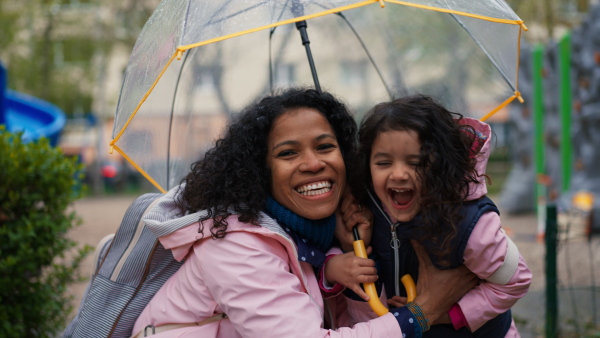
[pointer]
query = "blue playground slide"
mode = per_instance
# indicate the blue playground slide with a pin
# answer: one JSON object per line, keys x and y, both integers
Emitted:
{"x": 36, "y": 118}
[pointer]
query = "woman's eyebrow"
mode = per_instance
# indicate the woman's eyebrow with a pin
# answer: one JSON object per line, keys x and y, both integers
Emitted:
{"x": 292, "y": 142}
{"x": 322, "y": 136}
{"x": 285, "y": 143}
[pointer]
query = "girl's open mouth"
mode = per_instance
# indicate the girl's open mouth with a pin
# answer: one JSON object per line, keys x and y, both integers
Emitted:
{"x": 401, "y": 197}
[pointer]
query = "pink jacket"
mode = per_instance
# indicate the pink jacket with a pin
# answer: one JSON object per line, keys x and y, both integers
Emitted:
{"x": 255, "y": 277}
{"x": 485, "y": 253}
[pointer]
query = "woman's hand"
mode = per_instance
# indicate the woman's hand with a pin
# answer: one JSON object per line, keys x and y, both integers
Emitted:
{"x": 349, "y": 214}
{"x": 350, "y": 271}
{"x": 438, "y": 290}
{"x": 397, "y": 301}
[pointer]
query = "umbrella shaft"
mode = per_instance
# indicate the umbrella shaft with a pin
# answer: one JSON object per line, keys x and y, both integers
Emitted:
{"x": 304, "y": 35}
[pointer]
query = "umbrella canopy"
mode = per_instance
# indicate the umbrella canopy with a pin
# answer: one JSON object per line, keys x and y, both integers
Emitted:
{"x": 196, "y": 63}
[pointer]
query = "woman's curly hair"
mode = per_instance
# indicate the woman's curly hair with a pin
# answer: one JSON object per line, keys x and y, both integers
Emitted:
{"x": 233, "y": 178}
{"x": 446, "y": 165}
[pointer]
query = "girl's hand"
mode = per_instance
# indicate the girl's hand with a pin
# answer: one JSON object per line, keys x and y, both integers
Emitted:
{"x": 349, "y": 214}
{"x": 397, "y": 301}
{"x": 350, "y": 271}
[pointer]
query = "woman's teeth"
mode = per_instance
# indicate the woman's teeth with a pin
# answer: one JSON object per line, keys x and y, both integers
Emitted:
{"x": 314, "y": 188}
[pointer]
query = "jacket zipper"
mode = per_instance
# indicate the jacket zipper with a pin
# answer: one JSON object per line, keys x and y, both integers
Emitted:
{"x": 395, "y": 244}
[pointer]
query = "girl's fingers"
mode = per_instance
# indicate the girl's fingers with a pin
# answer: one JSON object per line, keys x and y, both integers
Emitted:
{"x": 368, "y": 278}
{"x": 360, "y": 292}
{"x": 366, "y": 271}
{"x": 352, "y": 214}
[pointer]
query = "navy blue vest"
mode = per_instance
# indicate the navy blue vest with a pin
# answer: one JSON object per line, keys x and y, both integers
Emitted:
{"x": 384, "y": 255}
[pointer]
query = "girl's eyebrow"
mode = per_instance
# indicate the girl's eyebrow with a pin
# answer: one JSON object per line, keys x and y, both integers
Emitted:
{"x": 380, "y": 154}
{"x": 293, "y": 142}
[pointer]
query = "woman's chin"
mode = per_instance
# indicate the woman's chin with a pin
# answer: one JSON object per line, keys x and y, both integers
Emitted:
{"x": 317, "y": 212}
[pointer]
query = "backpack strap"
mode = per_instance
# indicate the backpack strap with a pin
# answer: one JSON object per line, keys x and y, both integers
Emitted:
{"x": 100, "y": 252}
{"x": 152, "y": 330}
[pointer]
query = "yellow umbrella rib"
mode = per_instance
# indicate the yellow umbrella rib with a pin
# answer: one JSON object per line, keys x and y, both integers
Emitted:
{"x": 112, "y": 143}
{"x": 136, "y": 166}
{"x": 280, "y": 23}
{"x": 451, "y": 11}
{"x": 516, "y": 95}
{"x": 518, "y": 64}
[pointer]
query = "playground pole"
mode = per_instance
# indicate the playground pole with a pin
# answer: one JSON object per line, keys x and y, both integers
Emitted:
{"x": 538, "y": 136}
{"x": 551, "y": 275}
{"x": 566, "y": 104}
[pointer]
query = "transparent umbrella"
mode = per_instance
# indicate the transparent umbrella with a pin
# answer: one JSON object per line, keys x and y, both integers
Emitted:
{"x": 196, "y": 63}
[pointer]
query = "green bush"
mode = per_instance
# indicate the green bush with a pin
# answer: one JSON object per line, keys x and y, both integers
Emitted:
{"x": 37, "y": 260}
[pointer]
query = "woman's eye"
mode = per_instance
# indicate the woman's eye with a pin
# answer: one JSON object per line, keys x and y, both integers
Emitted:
{"x": 326, "y": 146}
{"x": 285, "y": 153}
{"x": 382, "y": 163}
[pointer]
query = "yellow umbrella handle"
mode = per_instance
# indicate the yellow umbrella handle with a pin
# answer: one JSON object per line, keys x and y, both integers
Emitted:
{"x": 370, "y": 289}
{"x": 409, "y": 285}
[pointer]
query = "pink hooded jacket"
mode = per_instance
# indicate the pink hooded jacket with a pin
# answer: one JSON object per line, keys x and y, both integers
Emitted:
{"x": 255, "y": 276}
{"x": 486, "y": 252}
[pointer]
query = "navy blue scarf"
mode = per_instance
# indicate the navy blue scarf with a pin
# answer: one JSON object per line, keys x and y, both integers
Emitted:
{"x": 318, "y": 232}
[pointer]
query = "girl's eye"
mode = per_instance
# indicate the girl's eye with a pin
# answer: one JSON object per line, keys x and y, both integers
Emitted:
{"x": 382, "y": 163}
{"x": 285, "y": 153}
{"x": 413, "y": 163}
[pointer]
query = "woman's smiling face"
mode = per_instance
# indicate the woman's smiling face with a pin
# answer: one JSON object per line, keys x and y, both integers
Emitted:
{"x": 307, "y": 168}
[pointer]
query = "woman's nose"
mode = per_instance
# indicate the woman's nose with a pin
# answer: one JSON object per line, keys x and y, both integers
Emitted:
{"x": 311, "y": 162}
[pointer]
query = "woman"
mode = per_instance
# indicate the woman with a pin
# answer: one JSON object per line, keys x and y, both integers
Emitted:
{"x": 260, "y": 207}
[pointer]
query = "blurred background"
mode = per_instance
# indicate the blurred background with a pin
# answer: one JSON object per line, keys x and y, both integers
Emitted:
{"x": 63, "y": 63}
{"x": 73, "y": 54}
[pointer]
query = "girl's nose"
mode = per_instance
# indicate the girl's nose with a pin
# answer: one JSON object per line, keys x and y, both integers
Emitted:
{"x": 399, "y": 173}
{"x": 311, "y": 163}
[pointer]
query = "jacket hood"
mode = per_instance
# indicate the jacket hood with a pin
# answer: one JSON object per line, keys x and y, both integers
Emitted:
{"x": 483, "y": 135}
{"x": 178, "y": 231}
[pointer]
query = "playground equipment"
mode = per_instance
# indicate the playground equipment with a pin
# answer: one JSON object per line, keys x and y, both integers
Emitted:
{"x": 36, "y": 118}
{"x": 555, "y": 152}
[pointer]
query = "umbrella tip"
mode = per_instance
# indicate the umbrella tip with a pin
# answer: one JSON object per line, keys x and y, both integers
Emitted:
{"x": 522, "y": 24}
{"x": 179, "y": 53}
{"x": 519, "y": 97}
{"x": 382, "y": 3}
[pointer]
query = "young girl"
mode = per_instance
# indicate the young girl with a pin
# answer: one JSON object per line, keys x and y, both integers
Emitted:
{"x": 426, "y": 167}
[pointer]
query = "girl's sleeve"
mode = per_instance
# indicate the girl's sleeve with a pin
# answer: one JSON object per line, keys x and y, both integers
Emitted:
{"x": 249, "y": 277}
{"x": 492, "y": 256}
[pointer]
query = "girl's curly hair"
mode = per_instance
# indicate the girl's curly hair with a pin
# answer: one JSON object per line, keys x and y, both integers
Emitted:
{"x": 232, "y": 177}
{"x": 446, "y": 165}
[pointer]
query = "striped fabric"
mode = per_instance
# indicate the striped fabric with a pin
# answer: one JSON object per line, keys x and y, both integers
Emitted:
{"x": 132, "y": 267}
